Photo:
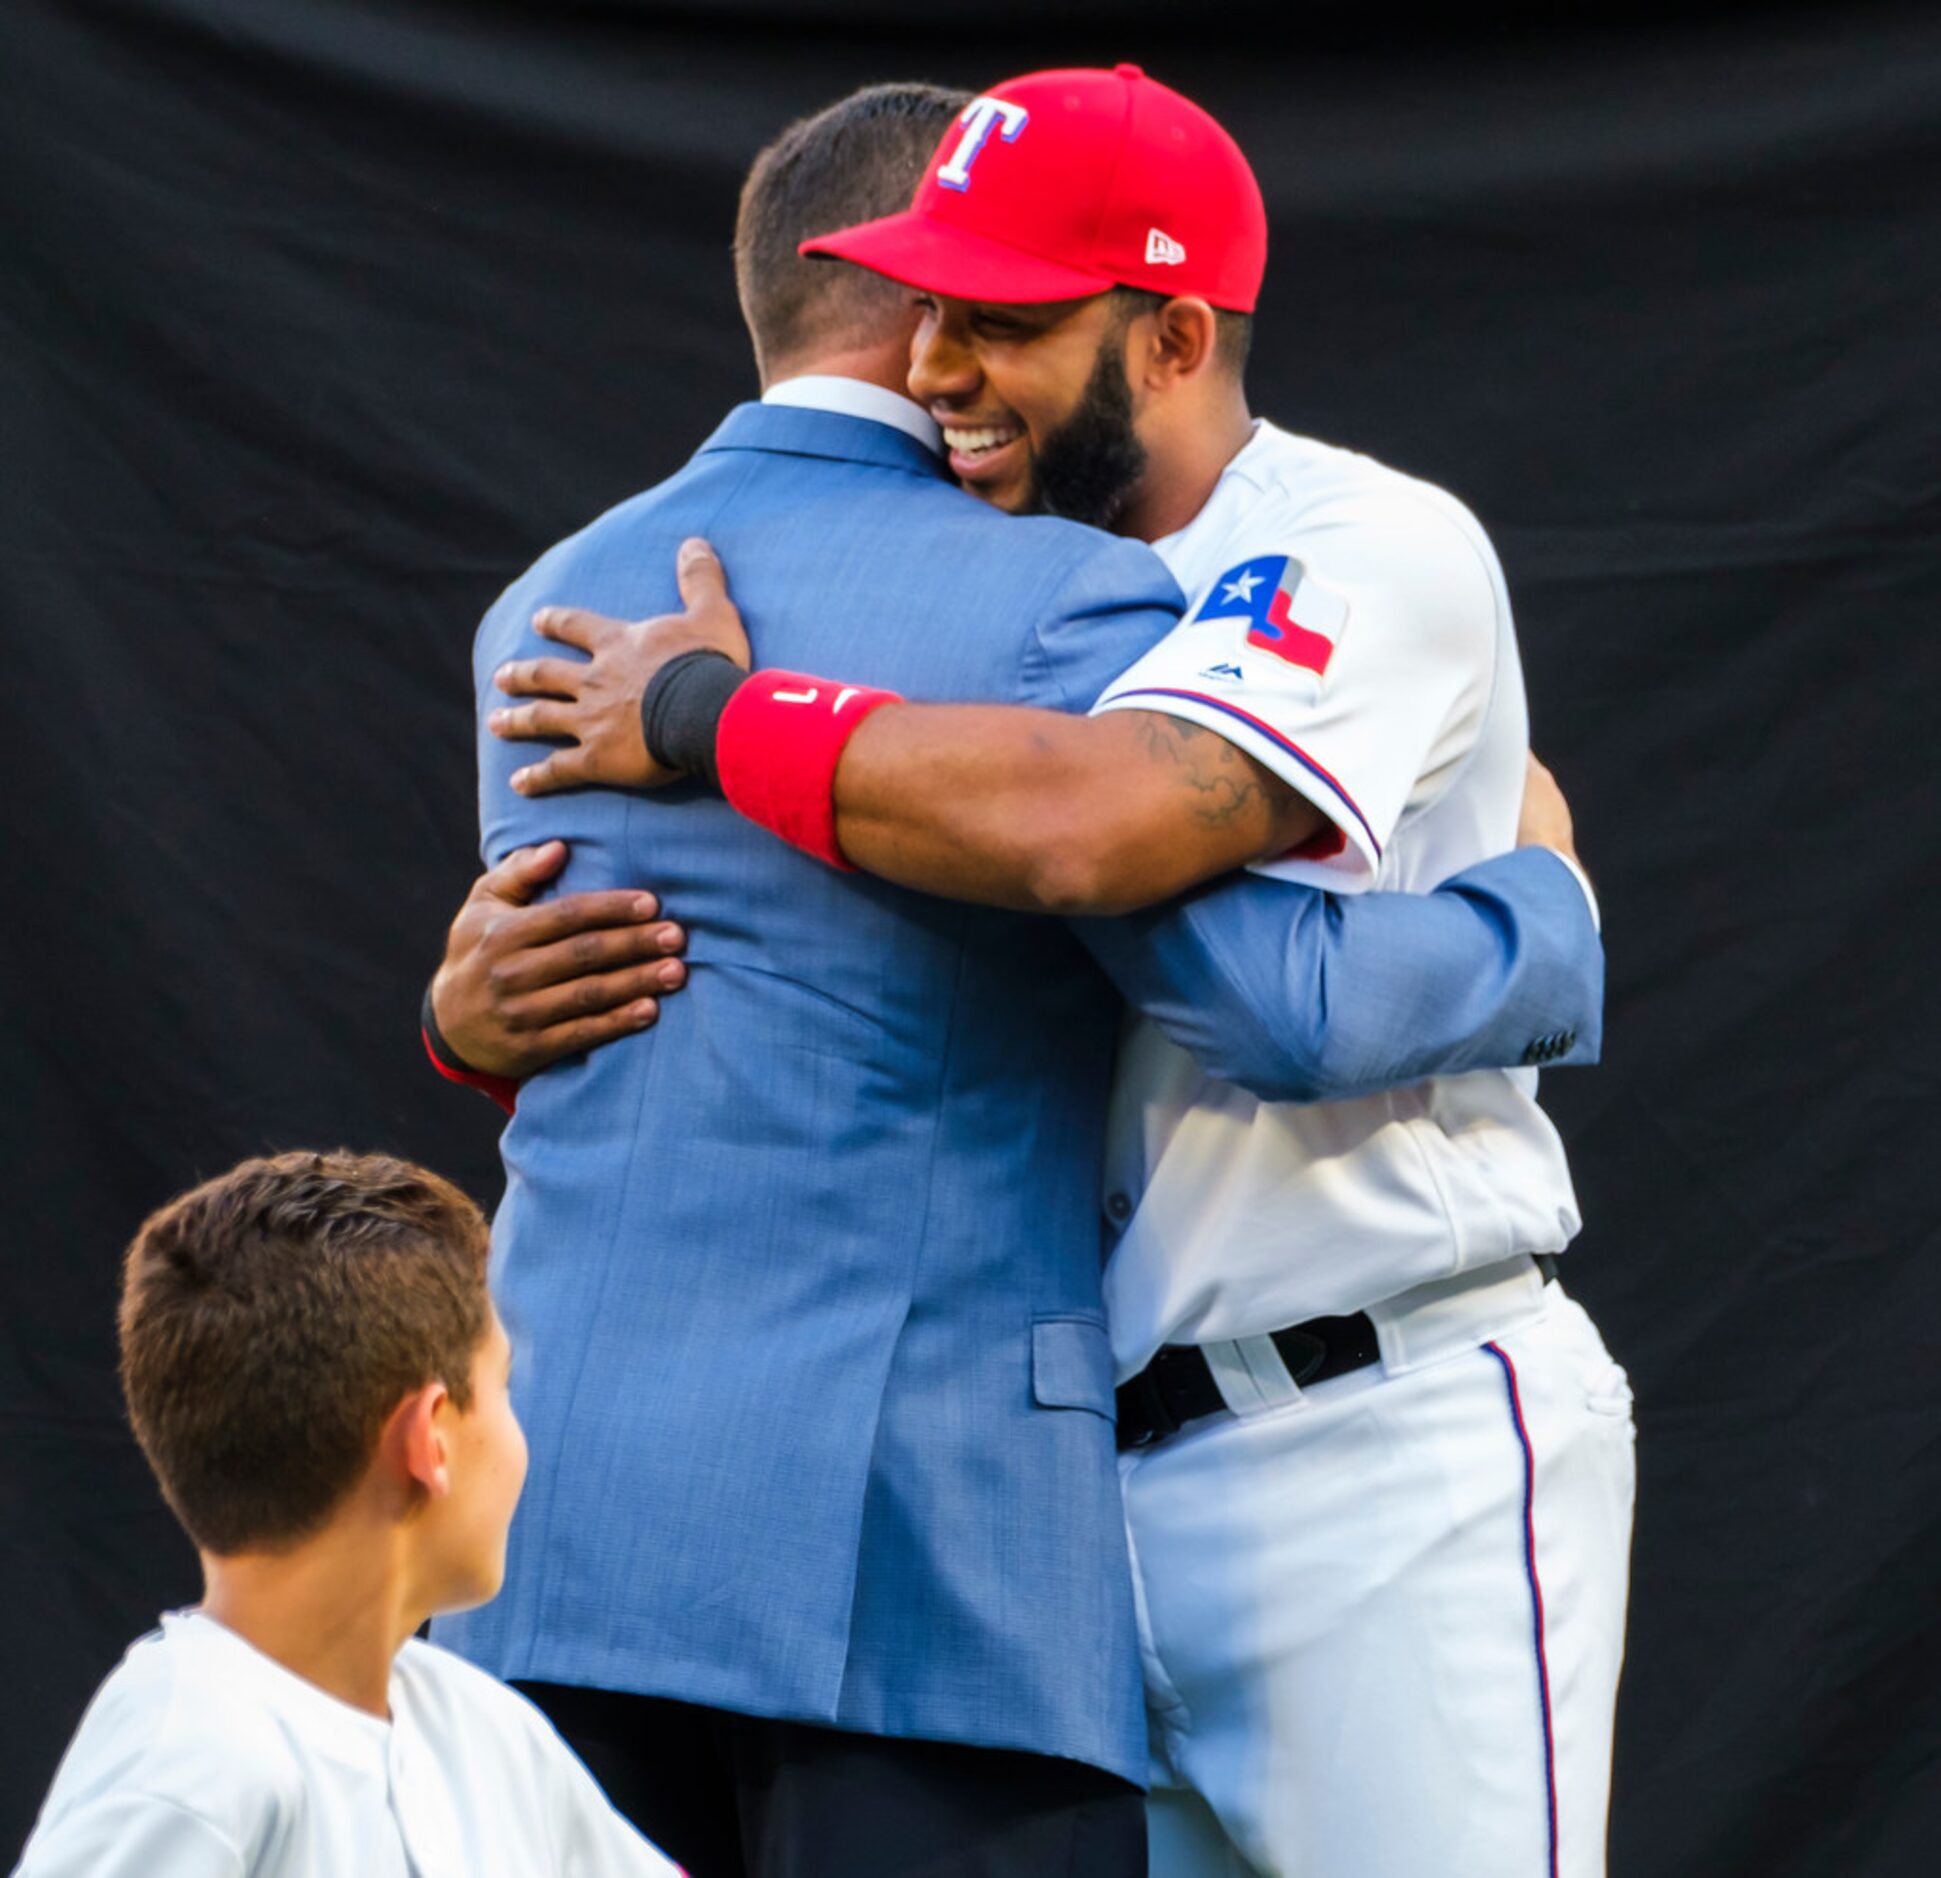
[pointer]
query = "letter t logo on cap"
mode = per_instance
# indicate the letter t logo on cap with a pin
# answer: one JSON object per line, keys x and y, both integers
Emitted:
{"x": 981, "y": 116}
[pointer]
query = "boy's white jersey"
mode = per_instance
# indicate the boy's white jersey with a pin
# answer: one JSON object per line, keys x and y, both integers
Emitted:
{"x": 1347, "y": 626}
{"x": 199, "y": 1757}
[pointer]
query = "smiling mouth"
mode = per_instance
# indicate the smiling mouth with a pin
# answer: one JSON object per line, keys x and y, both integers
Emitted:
{"x": 971, "y": 444}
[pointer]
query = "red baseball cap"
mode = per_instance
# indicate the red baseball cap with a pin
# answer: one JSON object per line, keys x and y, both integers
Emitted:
{"x": 1062, "y": 184}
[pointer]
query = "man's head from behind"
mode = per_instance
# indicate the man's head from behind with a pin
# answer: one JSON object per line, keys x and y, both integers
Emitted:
{"x": 1087, "y": 247}
{"x": 310, "y": 1334}
{"x": 859, "y": 159}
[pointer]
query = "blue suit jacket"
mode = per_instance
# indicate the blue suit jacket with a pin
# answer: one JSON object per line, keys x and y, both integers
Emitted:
{"x": 804, "y": 1282}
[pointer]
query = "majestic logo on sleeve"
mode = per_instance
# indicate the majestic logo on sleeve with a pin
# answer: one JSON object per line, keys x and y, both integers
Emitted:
{"x": 981, "y": 117}
{"x": 1288, "y": 613}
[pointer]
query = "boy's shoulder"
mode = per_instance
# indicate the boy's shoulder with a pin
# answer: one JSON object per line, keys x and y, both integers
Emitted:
{"x": 431, "y": 1666}
{"x": 170, "y": 1730}
{"x": 453, "y": 1698}
{"x": 508, "y": 1750}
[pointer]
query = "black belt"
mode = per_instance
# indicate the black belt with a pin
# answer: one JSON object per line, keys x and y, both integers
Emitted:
{"x": 1177, "y": 1386}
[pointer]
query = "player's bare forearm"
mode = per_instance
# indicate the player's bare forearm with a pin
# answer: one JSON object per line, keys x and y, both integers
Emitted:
{"x": 1052, "y": 813}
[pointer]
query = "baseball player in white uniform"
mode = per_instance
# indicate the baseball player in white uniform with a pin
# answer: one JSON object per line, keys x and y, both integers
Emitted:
{"x": 1378, "y": 1466}
{"x": 1383, "y": 1613}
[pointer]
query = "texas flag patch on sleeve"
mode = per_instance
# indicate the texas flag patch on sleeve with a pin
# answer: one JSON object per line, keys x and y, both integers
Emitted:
{"x": 1287, "y": 612}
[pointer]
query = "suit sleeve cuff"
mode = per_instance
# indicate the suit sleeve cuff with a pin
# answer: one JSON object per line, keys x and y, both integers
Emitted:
{"x": 1584, "y": 881}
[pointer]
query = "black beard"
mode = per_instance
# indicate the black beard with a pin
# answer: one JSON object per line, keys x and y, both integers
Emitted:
{"x": 1089, "y": 465}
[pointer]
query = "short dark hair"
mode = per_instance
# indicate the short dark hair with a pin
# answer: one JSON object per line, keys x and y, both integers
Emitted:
{"x": 1233, "y": 333}
{"x": 273, "y": 1317}
{"x": 860, "y": 158}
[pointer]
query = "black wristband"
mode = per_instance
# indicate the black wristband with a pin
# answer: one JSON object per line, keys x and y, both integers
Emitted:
{"x": 435, "y": 1040}
{"x": 681, "y": 711}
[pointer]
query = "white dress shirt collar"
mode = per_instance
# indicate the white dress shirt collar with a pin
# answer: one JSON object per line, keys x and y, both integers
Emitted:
{"x": 851, "y": 397}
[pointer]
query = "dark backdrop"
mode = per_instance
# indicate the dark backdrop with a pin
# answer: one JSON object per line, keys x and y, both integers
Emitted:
{"x": 321, "y": 319}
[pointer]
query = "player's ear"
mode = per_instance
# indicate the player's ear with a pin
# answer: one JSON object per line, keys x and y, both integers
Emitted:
{"x": 1185, "y": 336}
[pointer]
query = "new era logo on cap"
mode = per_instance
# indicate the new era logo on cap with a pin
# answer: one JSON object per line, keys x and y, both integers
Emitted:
{"x": 1162, "y": 250}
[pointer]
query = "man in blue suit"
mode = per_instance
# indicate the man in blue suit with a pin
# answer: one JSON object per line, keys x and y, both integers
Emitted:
{"x": 823, "y": 1565}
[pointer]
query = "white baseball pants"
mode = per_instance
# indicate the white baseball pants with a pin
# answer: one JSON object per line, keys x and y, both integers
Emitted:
{"x": 1383, "y": 1618}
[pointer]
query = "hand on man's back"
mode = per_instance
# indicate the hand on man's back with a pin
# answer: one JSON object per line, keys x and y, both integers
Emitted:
{"x": 593, "y": 703}
{"x": 522, "y": 985}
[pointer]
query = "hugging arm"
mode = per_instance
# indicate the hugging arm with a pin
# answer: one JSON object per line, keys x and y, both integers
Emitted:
{"x": 1295, "y": 994}
{"x": 1051, "y": 813}
{"x": 1037, "y": 809}
{"x": 1300, "y": 996}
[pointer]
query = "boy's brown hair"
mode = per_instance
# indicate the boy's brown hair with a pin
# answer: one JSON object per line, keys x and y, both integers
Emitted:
{"x": 273, "y": 1317}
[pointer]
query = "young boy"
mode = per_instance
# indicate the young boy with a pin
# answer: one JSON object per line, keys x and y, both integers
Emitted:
{"x": 315, "y": 1371}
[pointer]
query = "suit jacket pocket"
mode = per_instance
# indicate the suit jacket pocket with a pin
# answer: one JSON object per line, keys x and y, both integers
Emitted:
{"x": 1071, "y": 1364}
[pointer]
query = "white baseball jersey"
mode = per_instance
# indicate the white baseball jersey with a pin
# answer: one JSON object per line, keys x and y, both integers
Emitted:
{"x": 202, "y": 1758}
{"x": 1348, "y": 627}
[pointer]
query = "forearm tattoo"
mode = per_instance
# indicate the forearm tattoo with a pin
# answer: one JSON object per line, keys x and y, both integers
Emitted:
{"x": 1226, "y": 786}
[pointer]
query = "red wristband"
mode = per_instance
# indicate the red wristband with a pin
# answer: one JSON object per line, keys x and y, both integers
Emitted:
{"x": 504, "y": 1090}
{"x": 777, "y": 748}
